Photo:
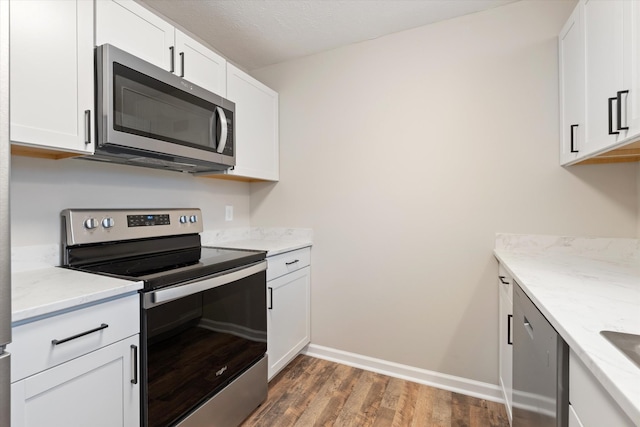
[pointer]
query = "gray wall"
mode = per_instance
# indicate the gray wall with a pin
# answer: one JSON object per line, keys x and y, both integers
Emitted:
{"x": 406, "y": 154}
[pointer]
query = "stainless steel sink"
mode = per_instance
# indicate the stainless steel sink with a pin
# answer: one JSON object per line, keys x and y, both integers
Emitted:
{"x": 629, "y": 344}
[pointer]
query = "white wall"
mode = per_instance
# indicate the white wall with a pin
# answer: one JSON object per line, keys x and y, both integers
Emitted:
{"x": 41, "y": 188}
{"x": 406, "y": 154}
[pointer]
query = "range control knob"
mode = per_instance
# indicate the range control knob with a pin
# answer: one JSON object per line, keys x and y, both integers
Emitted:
{"x": 90, "y": 223}
{"x": 193, "y": 218}
{"x": 183, "y": 219}
{"x": 108, "y": 222}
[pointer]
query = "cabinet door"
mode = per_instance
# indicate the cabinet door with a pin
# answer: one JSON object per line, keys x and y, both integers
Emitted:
{"x": 506, "y": 349}
{"x": 604, "y": 32}
{"x": 257, "y": 145}
{"x": 93, "y": 390}
{"x": 51, "y": 66}
{"x": 200, "y": 65}
{"x": 572, "y": 72}
{"x": 631, "y": 117}
{"x": 132, "y": 28}
{"x": 288, "y": 318}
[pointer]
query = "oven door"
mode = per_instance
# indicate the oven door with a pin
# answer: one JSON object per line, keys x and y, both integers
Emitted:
{"x": 197, "y": 338}
{"x": 143, "y": 107}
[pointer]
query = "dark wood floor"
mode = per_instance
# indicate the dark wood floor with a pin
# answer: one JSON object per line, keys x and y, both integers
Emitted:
{"x": 314, "y": 392}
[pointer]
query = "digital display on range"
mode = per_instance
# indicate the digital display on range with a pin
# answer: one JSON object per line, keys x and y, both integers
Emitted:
{"x": 147, "y": 220}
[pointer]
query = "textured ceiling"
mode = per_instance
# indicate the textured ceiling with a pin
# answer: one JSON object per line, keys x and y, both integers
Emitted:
{"x": 256, "y": 33}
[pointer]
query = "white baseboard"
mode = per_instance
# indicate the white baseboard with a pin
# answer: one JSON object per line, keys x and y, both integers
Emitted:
{"x": 447, "y": 382}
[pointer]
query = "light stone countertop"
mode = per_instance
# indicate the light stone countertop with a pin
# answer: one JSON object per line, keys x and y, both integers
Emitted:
{"x": 272, "y": 247}
{"x": 581, "y": 292}
{"x": 41, "y": 292}
{"x": 39, "y": 288}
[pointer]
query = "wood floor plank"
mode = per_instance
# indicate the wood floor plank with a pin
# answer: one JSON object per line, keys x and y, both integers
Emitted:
{"x": 460, "y": 410}
{"x": 406, "y": 404}
{"x": 441, "y": 415}
{"x": 424, "y": 407}
{"x": 357, "y": 409}
{"x": 312, "y": 392}
{"x": 314, "y": 414}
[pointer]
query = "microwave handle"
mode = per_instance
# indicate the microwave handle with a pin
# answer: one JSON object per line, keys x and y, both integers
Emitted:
{"x": 223, "y": 131}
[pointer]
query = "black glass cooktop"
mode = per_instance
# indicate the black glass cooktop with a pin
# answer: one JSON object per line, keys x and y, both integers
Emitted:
{"x": 158, "y": 267}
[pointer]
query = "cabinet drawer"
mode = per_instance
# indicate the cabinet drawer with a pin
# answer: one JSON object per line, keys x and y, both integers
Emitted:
{"x": 593, "y": 406}
{"x": 33, "y": 350}
{"x": 287, "y": 262}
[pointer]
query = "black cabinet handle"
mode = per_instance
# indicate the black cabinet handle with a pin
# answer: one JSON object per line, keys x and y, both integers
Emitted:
{"x": 182, "y": 64}
{"x": 291, "y": 262}
{"x": 87, "y": 127}
{"x": 509, "y": 320}
{"x": 619, "y": 102}
{"x": 573, "y": 148}
{"x": 502, "y": 280}
{"x": 270, "y": 299}
{"x": 611, "y": 131}
{"x": 64, "y": 340}
{"x": 173, "y": 59}
{"x": 134, "y": 364}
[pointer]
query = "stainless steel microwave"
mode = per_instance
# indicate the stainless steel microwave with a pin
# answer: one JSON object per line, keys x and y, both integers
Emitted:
{"x": 147, "y": 116}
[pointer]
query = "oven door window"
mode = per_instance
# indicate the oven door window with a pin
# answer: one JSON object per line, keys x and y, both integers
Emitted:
{"x": 148, "y": 107}
{"x": 196, "y": 345}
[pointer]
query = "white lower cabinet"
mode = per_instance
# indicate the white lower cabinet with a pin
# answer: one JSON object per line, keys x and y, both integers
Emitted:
{"x": 78, "y": 368}
{"x": 288, "y": 307}
{"x": 99, "y": 389}
{"x": 590, "y": 404}
{"x": 574, "y": 421}
{"x": 505, "y": 338}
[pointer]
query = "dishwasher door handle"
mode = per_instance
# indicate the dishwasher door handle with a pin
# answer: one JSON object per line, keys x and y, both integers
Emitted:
{"x": 528, "y": 327}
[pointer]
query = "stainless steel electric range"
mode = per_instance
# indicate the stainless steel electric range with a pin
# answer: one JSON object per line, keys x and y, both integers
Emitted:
{"x": 203, "y": 311}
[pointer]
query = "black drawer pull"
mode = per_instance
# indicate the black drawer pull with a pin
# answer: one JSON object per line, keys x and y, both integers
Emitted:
{"x": 509, "y": 321}
{"x": 270, "y": 299}
{"x": 62, "y": 341}
{"x": 291, "y": 262}
{"x": 504, "y": 282}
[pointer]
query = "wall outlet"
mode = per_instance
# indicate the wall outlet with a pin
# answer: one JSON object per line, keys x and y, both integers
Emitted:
{"x": 228, "y": 213}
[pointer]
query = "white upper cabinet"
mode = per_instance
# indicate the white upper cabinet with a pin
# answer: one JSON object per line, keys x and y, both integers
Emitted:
{"x": 200, "y": 65}
{"x": 131, "y": 27}
{"x": 135, "y": 29}
{"x": 599, "y": 50}
{"x": 51, "y": 80}
{"x": 257, "y": 143}
{"x": 604, "y": 31}
{"x": 572, "y": 71}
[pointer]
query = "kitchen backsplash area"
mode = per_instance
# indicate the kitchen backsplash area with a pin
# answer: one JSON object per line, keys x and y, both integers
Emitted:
{"x": 42, "y": 188}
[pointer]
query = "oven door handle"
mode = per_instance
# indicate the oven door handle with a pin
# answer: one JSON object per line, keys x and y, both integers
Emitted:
{"x": 162, "y": 296}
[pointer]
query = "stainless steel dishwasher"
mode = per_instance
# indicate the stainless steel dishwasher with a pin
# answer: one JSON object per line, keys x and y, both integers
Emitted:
{"x": 540, "y": 368}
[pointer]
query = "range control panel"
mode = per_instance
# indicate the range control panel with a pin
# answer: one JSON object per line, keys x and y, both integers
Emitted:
{"x": 147, "y": 220}
{"x": 86, "y": 226}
